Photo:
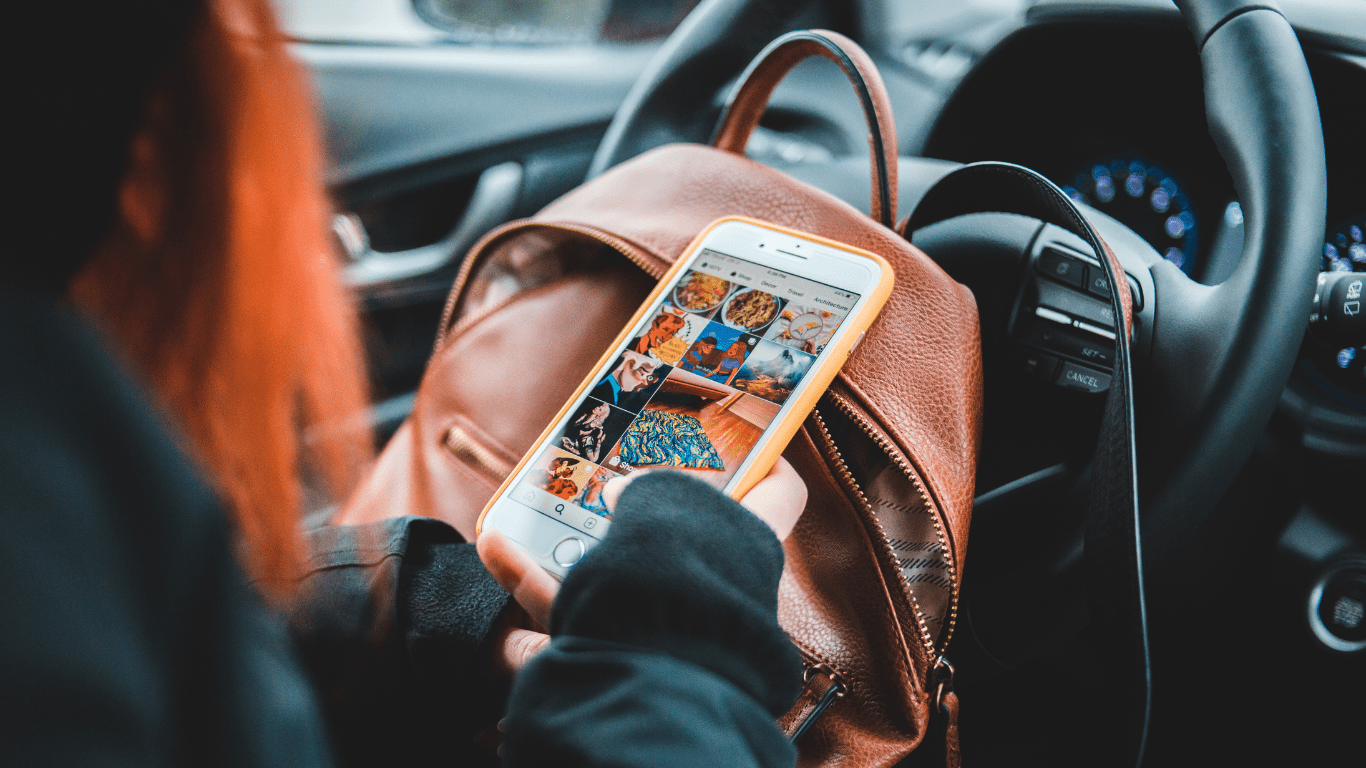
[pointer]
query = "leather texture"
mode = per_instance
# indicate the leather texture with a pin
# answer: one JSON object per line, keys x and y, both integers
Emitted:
{"x": 496, "y": 383}
{"x": 756, "y": 86}
{"x": 952, "y": 756}
{"x": 538, "y": 302}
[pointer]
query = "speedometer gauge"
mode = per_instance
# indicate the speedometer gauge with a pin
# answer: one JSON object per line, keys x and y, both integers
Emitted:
{"x": 1146, "y": 199}
{"x": 1343, "y": 249}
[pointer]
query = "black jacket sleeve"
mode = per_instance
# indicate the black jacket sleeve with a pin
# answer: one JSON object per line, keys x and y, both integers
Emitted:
{"x": 128, "y": 635}
{"x": 667, "y": 649}
{"x": 394, "y": 622}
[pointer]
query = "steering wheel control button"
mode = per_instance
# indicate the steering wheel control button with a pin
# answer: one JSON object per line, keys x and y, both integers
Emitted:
{"x": 1072, "y": 344}
{"x": 1060, "y": 266}
{"x": 1337, "y": 315}
{"x": 1074, "y": 376}
{"x": 1049, "y": 314}
{"x": 1097, "y": 282}
{"x": 1094, "y": 329}
{"x": 1038, "y": 364}
{"x": 569, "y": 551}
{"x": 1075, "y": 304}
{"x": 1337, "y": 608}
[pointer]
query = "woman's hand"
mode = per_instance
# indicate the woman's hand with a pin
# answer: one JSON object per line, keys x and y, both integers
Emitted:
{"x": 778, "y": 500}
{"x": 522, "y": 634}
{"x": 529, "y": 584}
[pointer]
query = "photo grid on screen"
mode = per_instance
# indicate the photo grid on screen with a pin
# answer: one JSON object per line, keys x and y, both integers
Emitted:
{"x": 702, "y": 379}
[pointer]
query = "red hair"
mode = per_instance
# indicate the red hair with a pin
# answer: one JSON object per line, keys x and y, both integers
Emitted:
{"x": 220, "y": 284}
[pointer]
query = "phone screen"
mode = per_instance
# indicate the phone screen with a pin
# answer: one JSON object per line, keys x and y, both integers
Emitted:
{"x": 693, "y": 390}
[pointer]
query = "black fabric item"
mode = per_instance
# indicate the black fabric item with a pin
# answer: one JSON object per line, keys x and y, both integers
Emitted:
{"x": 395, "y": 624}
{"x": 131, "y": 637}
{"x": 667, "y": 648}
{"x": 128, "y": 635}
{"x": 80, "y": 72}
{"x": 1114, "y": 541}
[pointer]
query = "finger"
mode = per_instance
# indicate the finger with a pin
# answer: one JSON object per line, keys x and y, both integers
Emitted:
{"x": 612, "y": 491}
{"x": 529, "y": 584}
{"x": 516, "y": 647}
{"x": 489, "y": 740}
{"x": 778, "y": 499}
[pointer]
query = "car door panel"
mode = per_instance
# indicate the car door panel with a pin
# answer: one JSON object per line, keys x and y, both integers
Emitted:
{"x": 431, "y": 146}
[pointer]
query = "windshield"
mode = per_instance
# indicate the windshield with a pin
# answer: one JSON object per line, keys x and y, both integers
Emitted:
{"x": 489, "y": 22}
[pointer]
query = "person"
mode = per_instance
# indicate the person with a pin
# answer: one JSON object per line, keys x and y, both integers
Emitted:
{"x": 557, "y": 480}
{"x": 170, "y": 333}
{"x": 663, "y": 328}
{"x": 666, "y": 649}
{"x": 731, "y": 361}
{"x": 630, "y": 383}
{"x": 592, "y": 499}
{"x": 586, "y": 434}
{"x": 702, "y": 358}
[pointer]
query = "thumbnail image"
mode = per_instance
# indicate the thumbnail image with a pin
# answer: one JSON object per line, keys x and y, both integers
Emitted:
{"x": 594, "y": 428}
{"x": 719, "y": 353}
{"x": 630, "y": 381}
{"x": 591, "y": 497}
{"x": 560, "y": 473}
{"x": 670, "y": 333}
{"x": 700, "y": 294}
{"x": 694, "y": 425}
{"x": 773, "y": 371}
{"x": 805, "y": 327}
{"x": 750, "y": 309}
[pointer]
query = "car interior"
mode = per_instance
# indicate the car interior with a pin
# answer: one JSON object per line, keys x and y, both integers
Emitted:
{"x": 1196, "y": 164}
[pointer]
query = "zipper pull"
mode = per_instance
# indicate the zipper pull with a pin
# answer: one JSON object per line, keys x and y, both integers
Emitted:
{"x": 946, "y": 704}
{"x": 942, "y": 677}
{"x": 823, "y": 686}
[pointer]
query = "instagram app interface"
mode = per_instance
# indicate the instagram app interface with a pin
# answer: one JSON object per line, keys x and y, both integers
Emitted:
{"x": 700, "y": 380}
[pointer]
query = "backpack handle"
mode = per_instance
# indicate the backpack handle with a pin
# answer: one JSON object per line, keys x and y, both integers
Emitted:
{"x": 747, "y": 102}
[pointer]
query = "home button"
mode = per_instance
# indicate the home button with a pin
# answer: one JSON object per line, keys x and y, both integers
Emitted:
{"x": 569, "y": 552}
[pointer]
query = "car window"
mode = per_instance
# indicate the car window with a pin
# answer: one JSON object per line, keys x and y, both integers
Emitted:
{"x": 488, "y": 22}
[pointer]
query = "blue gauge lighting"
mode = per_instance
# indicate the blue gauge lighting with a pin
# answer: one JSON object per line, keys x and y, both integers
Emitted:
{"x": 1147, "y": 199}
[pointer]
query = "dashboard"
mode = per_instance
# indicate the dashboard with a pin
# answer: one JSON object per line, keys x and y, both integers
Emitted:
{"x": 1102, "y": 96}
{"x": 1108, "y": 104}
{"x": 1142, "y": 153}
{"x": 1105, "y": 98}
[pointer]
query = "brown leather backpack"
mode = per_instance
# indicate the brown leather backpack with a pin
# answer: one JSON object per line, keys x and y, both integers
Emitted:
{"x": 870, "y": 588}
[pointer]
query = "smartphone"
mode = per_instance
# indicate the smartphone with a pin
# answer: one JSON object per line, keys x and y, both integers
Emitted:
{"x": 712, "y": 377}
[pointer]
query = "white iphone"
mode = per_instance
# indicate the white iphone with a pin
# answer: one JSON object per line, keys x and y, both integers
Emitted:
{"x": 712, "y": 377}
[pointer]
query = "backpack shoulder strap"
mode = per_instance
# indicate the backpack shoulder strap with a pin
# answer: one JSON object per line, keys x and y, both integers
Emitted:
{"x": 1114, "y": 548}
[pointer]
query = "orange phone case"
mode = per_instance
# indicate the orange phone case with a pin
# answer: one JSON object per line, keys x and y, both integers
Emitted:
{"x": 820, "y": 379}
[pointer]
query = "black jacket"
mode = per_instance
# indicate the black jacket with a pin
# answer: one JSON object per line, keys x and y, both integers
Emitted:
{"x": 128, "y": 635}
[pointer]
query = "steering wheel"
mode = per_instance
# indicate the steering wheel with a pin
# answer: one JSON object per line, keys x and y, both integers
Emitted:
{"x": 1217, "y": 357}
{"x": 1220, "y": 355}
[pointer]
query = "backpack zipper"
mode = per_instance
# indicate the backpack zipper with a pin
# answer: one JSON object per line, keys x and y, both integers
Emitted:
{"x": 811, "y": 679}
{"x": 471, "y": 451}
{"x": 927, "y": 642}
{"x": 653, "y": 264}
{"x": 895, "y": 455}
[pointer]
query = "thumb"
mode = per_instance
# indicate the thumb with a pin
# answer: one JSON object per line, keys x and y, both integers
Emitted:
{"x": 515, "y": 647}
